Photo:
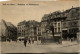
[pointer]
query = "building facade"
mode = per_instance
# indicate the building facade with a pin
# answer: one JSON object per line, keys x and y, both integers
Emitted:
{"x": 65, "y": 24}
{"x": 71, "y": 24}
{"x": 28, "y": 29}
{"x": 56, "y": 25}
{"x": 33, "y": 29}
{"x": 8, "y": 31}
{"x": 21, "y": 28}
{"x": 45, "y": 27}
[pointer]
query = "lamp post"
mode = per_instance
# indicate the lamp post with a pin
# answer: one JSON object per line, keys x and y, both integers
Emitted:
{"x": 37, "y": 33}
{"x": 37, "y": 39}
{"x": 61, "y": 30}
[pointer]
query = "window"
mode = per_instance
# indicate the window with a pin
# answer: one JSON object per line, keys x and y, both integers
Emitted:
{"x": 18, "y": 27}
{"x": 64, "y": 24}
{"x": 58, "y": 29}
{"x": 58, "y": 24}
{"x": 22, "y": 26}
{"x": 55, "y": 25}
{"x": 31, "y": 25}
{"x": 73, "y": 24}
{"x": 43, "y": 29}
{"x": 20, "y": 30}
{"x": 39, "y": 29}
{"x": 55, "y": 29}
{"x": 24, "y": 34}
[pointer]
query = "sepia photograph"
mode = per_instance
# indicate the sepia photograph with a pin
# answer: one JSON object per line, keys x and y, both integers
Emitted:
{"x": 40, "y": 26}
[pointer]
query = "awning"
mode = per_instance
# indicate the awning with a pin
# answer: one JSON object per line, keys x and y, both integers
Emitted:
{"x": 65, "y": 29}
{"x": 57, "y": 34}
{"x": 20, "y": 37}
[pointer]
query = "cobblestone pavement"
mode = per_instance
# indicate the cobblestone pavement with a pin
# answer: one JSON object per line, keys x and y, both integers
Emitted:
{"x": 18, "y": 47}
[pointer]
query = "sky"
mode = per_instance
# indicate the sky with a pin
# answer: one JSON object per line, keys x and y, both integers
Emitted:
{"x": 17, "y": 13}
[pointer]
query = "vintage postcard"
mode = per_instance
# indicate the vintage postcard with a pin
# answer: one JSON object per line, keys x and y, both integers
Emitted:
{"x": 39, "y": 26}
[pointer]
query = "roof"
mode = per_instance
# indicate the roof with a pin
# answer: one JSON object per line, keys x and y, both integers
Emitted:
{"x": 10, "y": 24}
{"x": 22, "y": 23}
{"x": 73, "y": 13}
{"x": 45, "y": 17}
{"x": 33, "y": 22}
{"x": 60, "y": 15}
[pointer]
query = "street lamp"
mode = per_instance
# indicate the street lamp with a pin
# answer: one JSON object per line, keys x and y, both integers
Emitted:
{"x": 61, "y": 30}
{"x": 37, "y": 39}
{"x": 37, "y": 33}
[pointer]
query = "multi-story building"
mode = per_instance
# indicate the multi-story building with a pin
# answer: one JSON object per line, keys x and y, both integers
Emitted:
{"x": 21, "y": 29}
{"x": 28, "y": 29}
{"x": 33, "y": 29}
{"x": 71, "y": 24}
{"x": 38, "y": 28}
{"x": 65, "y": 24}
{"x": 46, "y": 32}
{"x": 8, "y": 31}
{"x": 53, "y": 25}
{"x": 57, "y": 24}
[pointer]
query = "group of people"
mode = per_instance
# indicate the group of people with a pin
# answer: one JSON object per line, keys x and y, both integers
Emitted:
{"x": 28, "y": 40}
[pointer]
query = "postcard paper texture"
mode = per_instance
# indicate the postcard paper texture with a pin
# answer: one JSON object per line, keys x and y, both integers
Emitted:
{"x": 39, "y": 26}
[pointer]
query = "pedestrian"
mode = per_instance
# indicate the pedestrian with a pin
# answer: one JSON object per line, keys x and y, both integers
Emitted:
{"x": 60, "y": 41}
{"x": 8, "y": 40}
{"x": 71, "y": 39}
{"x": 43, "y": 40}
{"x": 16, "y": 40}
{"x": 25, "y": 41}
{"x": 29, "y": 41}
{"x": 32, "y": 40}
